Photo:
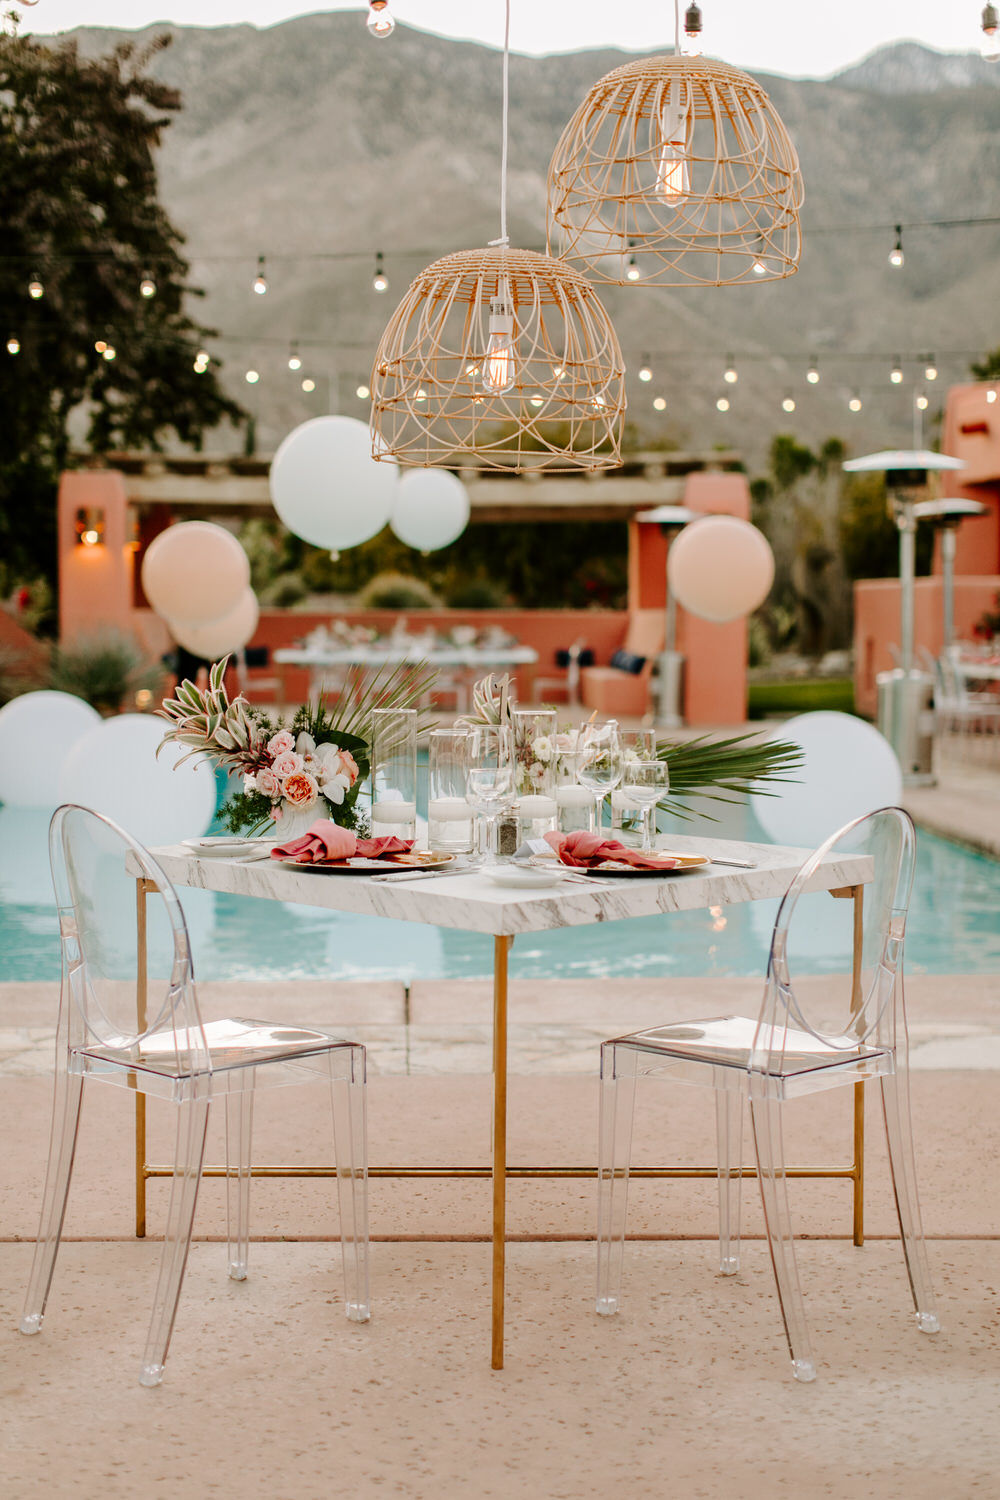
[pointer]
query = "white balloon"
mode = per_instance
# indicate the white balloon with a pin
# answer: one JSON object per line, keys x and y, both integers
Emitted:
{"x": 195, "y": 571}
{"x": 219, "y": 637}
{"x": 720, "y": 568}
{"x": 37, "y": 733}
{"x": 849, "y": 769}
{"x": 114, "y": 769}
{"x": 327, "y": 488}
{"x": 431, "y": 510}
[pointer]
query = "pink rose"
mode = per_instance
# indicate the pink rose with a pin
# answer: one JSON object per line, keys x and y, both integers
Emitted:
{"x": 300, "y": 789}
{"x": 286, "y": 764}
{"x": 267, "y": 783}
{"x": 281, "y": 742}
{"x": 349, "y": 764}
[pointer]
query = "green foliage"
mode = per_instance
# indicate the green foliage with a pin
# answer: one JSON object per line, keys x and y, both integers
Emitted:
{"x": 79, "y": 206}
{"x": 987, "y": 368}
{"x": 988, "y": 623}
{"x": 397, "y": 591}
{"x": 801, "y": 696}
{"x": 285, "y": 591}
{"x": 476, "y": 593}
{"x": 106, "y": 669}
{"x": 17, "y": 675}
{"x": 725, "y": 770}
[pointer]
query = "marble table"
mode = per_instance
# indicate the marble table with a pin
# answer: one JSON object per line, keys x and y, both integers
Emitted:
{"x": 468, "y": 901}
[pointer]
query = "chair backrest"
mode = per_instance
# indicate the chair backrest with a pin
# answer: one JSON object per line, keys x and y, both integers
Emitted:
{"x": 100, "y": 1003}
{"x": 645, "y": 634}
{"x": 850, "y": 949}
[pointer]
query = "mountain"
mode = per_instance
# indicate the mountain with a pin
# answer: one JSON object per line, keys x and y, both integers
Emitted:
{"x": 308, "y": 138}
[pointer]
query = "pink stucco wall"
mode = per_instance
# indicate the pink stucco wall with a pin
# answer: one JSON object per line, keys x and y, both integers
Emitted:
{"x": 876, "y": 623}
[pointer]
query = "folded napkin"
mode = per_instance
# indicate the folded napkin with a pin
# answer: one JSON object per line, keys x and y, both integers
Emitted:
{"x": 585, "y": 850}
{"x": 328, "y": 841}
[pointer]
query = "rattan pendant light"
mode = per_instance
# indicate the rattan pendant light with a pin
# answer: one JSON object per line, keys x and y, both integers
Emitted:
{"x": 680, "y": 169}
{"x": 499, "y": 359}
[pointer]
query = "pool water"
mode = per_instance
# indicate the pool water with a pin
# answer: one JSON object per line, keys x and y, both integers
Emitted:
{"x": 953, "y": 927}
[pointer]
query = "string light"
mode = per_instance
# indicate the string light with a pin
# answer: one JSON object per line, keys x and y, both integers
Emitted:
{"x": 788, "y": 404}
{"x": 896, "y": 373}
{"x": 922, "y": 402}
{"x": 632, "y": 271}
{"x": 380, "y": 280}
{"x": 147, "y": 286}
{"x": 812, "y": 374}
{"x": 659, "y": 404}
{"x": 930, "y": 369}
{"x": 13, "y": 345}
{"x": 380, "y": 23}
{"x": 723, "y": 403}
{"x": 252, "y": 376}
{"x": 202, "y": 360}
{"x": 100, "y": 345}
{"x": 989, "y": 47}
{"x": 991, "y": 396}
{"x": 35, "y": 289}
{"x": 896, "y": 256}
{"x": 855, "y": 403}
{"x": 730, "y": 374}
{"x": 109, "y": 352}
{"x": 308, "y": 385}
{"x": 260, "y": 280}
{"x": 362, "y": 392}
{"x": 538, "y": 400}
{"x": 645, "y": 373}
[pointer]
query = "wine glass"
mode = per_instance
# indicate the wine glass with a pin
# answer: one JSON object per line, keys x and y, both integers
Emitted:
{"x": 489, "y": 775}
{"x": 599, "y": 762}
{"x": 645, "y": 780}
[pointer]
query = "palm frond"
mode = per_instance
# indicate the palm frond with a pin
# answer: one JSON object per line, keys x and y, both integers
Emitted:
{"x": 726, "y": 770}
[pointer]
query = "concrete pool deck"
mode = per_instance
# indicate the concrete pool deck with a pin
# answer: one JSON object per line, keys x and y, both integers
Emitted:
{"x": 270, "y": 1392}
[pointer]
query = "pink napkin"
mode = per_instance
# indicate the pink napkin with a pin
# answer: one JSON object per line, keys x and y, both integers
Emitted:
{"x": 326, "y": 841}
{"x": 585, "y": 850}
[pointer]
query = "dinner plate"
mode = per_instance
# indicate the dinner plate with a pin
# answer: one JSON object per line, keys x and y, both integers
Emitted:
{"x": 525, "y": 877}
{"x": 684, "y": 862}
{"x": 341, "y": 866}
{"x": 225, "y": 846}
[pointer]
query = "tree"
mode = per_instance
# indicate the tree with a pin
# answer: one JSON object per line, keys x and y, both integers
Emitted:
{"x": 79, "y": 205}
{"x": 988, "y": 368}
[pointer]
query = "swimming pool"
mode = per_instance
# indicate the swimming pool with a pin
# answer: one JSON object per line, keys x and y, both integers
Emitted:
{"x": 953, "y": 928}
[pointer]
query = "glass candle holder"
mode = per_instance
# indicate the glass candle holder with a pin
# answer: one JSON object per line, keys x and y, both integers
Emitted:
{"x": 575, "y": 806}
{"x": 394, "y": 772}
{"x": 534, "y": 738}
{"x": 449, "y": 815}
{"x": 626, "y": 818}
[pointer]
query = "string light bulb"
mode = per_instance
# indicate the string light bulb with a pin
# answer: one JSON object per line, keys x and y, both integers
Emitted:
{"x": 896, "y": 373}
{"x": 730, "y": 375}
{"x": 147, "y": 286}
{"x": 202, "y": 360}
{"x": 922, "y": 402}
{"x": 380, "y": 280}
{"x": 109, "y": 352}
{"x": 632, "y": 272}
{"x": 930, "y": 369}
{"x": 308, "y": 385}
{"x": 759, "y": 267}
{"x": 659, "y": 404}
{"x": 693, "y": 45}
{"x": 35, "y": 289}
{"x": 991, "y": 395}
{"x": 855, "y": 403}
{"x": 788, "y": 404}
{"x": 13, "y": 345}
{"x": 380, "y": 22}
{"x": 812, "y": 374}
{"x": 723, "y": 403}
{"x": 989, "y": 47}
{"x": 260, "y": 280}
{"x": 362, "y": 392}
{"x": 896, "y": 256}
{"x": 294, "y": 360}
{"x": 645, "y": 373}
{"x": 252, "y": 376}
{"x": 499, "y": 372}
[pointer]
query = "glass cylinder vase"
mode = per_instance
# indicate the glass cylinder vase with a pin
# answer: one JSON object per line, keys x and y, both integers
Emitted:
{"x": 449, "y": 816}
{"x": 394, "y": 772}
{"x": 534, "y": 739}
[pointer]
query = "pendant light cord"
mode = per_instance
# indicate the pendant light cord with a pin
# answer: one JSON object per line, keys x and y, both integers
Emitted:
{"x": 677, "y": 28}
{"x": 504, "y": 236}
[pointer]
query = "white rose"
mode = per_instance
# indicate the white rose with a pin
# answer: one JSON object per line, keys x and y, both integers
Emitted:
{"x": 249, "y": 784}
{"x": 543, "y": 748}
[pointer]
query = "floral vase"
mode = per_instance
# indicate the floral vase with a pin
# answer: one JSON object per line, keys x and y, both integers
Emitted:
{"x": 294, "y": 822}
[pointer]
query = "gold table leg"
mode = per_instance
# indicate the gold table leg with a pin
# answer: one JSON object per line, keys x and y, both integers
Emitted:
{"x": 141, "y": 887}
{"x": 859, "y": 1088}
{"x": 501, "y": 948}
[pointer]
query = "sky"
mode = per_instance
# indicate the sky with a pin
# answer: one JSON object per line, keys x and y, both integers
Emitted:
{"x": 797, "y": 37}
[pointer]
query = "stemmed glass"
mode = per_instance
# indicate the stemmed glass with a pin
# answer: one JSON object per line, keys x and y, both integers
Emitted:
{"x": 489, "y": 775}
{"x": 645, "y": 780}
{"x": 599, "y": 762}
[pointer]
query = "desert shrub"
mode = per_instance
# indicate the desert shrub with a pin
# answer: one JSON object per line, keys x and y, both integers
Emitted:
{"x": 397, "y": 591}
{"x": 106, "y": 669}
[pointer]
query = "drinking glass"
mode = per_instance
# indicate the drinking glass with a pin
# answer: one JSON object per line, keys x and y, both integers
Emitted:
{"x": 627, "y": 818}
{"x": 394, "y": 772}
{"x": 599, "y": 762}
{"x": 449, "y": 815}
{"x": 645, "y": 781}
{"x": 489, "y": 775}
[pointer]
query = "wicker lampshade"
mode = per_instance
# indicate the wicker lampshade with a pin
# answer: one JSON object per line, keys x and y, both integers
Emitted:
{"x": 499, "y": 359}
{"x": 680, "y": 171}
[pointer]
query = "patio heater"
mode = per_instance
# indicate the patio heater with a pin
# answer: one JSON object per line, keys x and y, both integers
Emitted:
{"x": 946, "y": 516}
{"x": 905, "y": 694}
{"x": 670, "y": 668}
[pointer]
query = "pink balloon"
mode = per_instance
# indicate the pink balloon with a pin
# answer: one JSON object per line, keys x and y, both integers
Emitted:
{"x": 219, "y": 637}
{"x": 720, "y": 568}
{"x": 195, "y": 571}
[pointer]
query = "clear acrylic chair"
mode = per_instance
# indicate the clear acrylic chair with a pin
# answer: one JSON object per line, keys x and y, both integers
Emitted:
{"x": 170, "y": 1052}
{"x": 805, "y": 1039}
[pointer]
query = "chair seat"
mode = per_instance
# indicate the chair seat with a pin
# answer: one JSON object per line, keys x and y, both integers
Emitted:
{"x": 727, "y": 1042}
{"x": 232, "y": 1043}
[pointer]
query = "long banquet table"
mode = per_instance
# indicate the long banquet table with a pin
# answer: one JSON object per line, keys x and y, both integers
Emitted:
{"x": 323, "y": 659}
{"x": 469, "y": 902}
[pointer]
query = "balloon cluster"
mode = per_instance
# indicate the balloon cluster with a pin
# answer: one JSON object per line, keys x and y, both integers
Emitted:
{"x": 196, "y": 576}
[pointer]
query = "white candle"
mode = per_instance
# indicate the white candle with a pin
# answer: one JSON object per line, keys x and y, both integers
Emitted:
{"x": 394, "y": 812}
{"x": 574, "y": 796}
{"x": 538, "y": 807}
{"x": 449, "y": 810}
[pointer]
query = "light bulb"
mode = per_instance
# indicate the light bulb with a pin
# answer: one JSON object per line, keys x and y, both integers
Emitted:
{"x": 730, "y": 374}
{"x": 421, "y": 394}
{"x": 537, "y": 400}
{"x": 380, "y": 22}
{"x": 854, "y": 404}
{"x": 896, "y": 256}
{"x": 198, "y": 367}
{"x": 991, "y": 396}
{"x": 147, "y": 286}
{"x": 558, "y": 372}
{"x": 759, "y": 268}
{"x": 693, "y": 45}
{"x": 13, "y": 345}
{"x": 930, "y": 370}
{"x": 471, "y": 369}
{"x": 812, "y": 375}
{"x": 380, "y": 280}
{"x": 362, "y": 392}
{"x": 659, "y": 404}
{"x": 35, "y": 289}
{"x": 922, "y": 402}
{"x": 673, "y": 174}
{"x": 202, "y": 360}
{"x": 632, "y": 272}
{"x": 598, "y": 401}
{"x": 294, "y": 362}
{"x": 499, "y": 373}
{"x": 100, "y": 345}
{"x": 260, "y": 280}
{"x": 788, "y": 404}
{"x": 645, "y": 373}
{"x": 252, "y": 377}
{"x": 308, "y": 385}
{"x": 989, "y": 47}
{"x": 723, "y": 403}
{"x": 896, "y": 373}
{"x": 109, "y": 353}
